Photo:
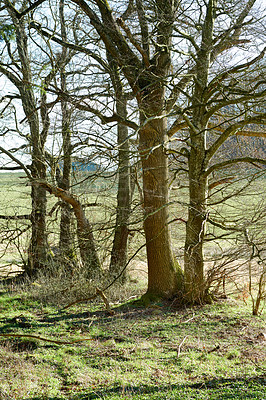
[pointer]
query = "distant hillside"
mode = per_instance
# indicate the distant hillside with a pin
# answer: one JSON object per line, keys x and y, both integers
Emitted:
{"x": 242, "y": 146}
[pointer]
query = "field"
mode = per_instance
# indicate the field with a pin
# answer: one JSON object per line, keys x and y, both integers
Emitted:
{"x": 131, "y": 352}
{"x": 240, "y": 210}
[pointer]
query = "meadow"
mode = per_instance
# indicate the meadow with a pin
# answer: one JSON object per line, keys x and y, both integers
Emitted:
{"x": 162, "y": 351}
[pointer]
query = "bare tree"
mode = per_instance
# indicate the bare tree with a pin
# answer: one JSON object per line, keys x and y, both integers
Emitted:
{"x": 174, "y": 57}
{"x": 18, "y": 71}
{"x": 214, "y": 105}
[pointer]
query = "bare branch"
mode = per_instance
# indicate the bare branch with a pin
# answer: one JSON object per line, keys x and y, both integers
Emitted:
{"x": 250, "y": 160}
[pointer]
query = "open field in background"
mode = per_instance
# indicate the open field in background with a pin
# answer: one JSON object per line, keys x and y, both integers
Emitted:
{"x": 15, "y": 200}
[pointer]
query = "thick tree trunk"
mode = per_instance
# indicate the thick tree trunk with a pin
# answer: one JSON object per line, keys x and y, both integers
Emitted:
{"x": 164, "y": 274}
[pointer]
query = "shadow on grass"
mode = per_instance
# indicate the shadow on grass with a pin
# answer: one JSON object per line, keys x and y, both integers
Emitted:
{"x": 215, "y": 389}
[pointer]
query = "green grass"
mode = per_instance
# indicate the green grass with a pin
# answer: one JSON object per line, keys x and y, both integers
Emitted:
{"x": 15, "y": 199}
{"x": 211, "y": 352}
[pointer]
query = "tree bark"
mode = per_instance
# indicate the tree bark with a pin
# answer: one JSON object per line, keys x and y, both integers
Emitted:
{"x": 198, "y": 185}
{"x": 66, "y": 242}
{"x": 119, "y": 249}
{"x": 195, "y": 228}
{"x": 86, "y": 241}
{"x": 164, "y": 274}
{"x": 38, "y": 249}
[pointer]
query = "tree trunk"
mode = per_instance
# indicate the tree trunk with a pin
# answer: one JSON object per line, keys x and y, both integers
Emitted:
{"x": 195, "y": 227}
{"x": 66, "y": 242}
{"x": 164, "y": 274}
{"x": 86, "y": 241}
{"x": 38, "y": 255}
{"x": 87, "y": 247}
{"x": 38, "y": 249}
{"x": 66, "y": 236}
{"x": 119, "y": 249}
{"x": 197, "y": 215}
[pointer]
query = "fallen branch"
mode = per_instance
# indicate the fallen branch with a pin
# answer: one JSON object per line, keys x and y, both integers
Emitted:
{"x": 105, "y": 300}
{"x": 7, "y": 335}
{"x": 80, "y": 301}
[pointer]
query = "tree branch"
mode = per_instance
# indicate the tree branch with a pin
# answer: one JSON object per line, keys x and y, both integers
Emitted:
{"x": 250, "y": 160}
{"x": 104, "y": 118}
{"x": 134, "y": 42}
{"x": 17, "y": 161}
{"x": 68, "y": 45}
{"x": 258, "y": 119}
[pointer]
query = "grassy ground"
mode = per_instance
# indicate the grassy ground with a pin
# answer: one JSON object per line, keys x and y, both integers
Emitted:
{"x": 160, "y": 352}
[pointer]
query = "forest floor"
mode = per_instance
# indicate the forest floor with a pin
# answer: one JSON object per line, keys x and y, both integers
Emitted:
{"x": 160, "y": 352}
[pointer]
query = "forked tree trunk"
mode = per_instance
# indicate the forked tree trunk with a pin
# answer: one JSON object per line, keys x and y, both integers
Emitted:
{"x": 147, "y": 77}
{"x": 88, "y": 252}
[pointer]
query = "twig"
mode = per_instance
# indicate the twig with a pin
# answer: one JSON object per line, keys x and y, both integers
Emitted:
{"x": 110, "y": 284}
{"x": 257, "y": 365}
{"x": 180, "y": 345}
{"x": 100, "y": 293}
{"x": 42, "y": 338}
{"x": 188, "y": 320}
{"x": 80, "y": 301}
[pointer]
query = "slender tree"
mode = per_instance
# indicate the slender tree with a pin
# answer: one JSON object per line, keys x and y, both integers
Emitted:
{"x": 211, "y": 99}
{"x": 119, "y": 248}
{"x": 66, "y": 242}
{"x": 20, "y": 75}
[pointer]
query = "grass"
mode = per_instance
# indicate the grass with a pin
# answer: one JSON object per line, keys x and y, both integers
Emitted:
{"x": 160, "y": 352}
{"x": 15, "y": 200}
